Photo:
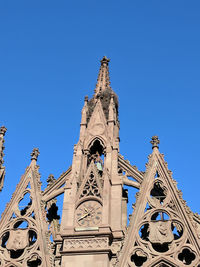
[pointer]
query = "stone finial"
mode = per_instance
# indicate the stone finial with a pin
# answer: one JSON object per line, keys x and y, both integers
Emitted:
{"x": 86, "y": 98}
{"x": 50, "y": 179}
{"x": 3, "y": 130}
{"x": 105, "y": 60}
{"x": 155, "y": 141}
{"x": 35, "y": 153}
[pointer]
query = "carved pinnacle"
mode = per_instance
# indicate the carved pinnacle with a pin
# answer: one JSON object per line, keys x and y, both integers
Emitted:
{"x": 86, "y": 98}
{"x": 3, "y": 130}
{"x": 105, "y": 60}
{"x": 2, "y": 133}
{"x": 35, "y": 153}
{"x": 155, "y": 141}
{"x": 50, "y": 179}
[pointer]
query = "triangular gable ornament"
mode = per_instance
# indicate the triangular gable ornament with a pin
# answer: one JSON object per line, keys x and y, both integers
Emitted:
{"x": 97, "y": 125}
{"x": 23, "y": 226}
{"x": 91, "y": 184}
{"x": 161, "y": 222}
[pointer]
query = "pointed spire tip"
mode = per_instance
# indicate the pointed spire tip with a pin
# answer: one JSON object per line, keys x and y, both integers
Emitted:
{"x": 103, "y": 80}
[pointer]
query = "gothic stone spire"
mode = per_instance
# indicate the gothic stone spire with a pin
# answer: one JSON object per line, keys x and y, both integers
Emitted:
{"x": 103, "y": 80}
{"x": 103, "y": 91}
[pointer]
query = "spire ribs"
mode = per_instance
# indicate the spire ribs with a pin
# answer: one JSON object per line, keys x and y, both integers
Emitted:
{"x": 103, "y": 81}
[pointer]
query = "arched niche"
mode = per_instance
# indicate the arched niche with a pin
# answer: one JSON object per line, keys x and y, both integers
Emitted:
{"x": 96, "y": 152}
{"x": 97, "y": 144}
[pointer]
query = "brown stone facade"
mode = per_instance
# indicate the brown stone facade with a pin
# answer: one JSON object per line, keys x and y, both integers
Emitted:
{"x": 163, "y": 231}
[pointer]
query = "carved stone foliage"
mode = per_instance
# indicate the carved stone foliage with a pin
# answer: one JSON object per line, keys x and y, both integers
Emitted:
{"x": 34, "y": 154}
{"x": 155, "y": 141}
{"x": 85, "y": 243}
{"x": 50, "y": 180}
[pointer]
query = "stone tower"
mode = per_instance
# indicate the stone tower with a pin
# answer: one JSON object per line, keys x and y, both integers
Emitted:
{"x": 93, "y": 232}
{"x": 91, "y": 213}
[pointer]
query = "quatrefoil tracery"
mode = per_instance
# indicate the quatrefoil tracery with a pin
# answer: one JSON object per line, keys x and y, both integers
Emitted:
{"x": 159, "y": 195}
{"x": 162, "y": 231}
{"x": 18, "y": 237}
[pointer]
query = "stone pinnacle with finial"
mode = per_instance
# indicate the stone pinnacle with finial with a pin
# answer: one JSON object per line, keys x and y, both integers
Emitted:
{"x": 35, "y": 153}
{"x": 155, "y": 141}
{"x": 3, "y": 130}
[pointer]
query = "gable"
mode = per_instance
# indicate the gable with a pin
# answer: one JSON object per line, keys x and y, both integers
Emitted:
{"x": 161, "y": 222}
{"x": 23, "y": 224}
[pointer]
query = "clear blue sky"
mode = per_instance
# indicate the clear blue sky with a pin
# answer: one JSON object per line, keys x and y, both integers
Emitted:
{"x": 49, "y": 60}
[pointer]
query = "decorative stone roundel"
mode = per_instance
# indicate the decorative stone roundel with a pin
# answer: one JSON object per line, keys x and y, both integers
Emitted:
{"x": 160, "y": 233}
{"x": 18, "y": 237}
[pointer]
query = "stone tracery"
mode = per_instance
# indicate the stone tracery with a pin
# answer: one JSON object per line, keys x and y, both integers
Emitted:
{"x": 161, "y": 228}
{"x": 162, "y": 232}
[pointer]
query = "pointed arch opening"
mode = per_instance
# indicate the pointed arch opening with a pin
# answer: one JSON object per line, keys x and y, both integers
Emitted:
{"x": 97, "y": 154}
